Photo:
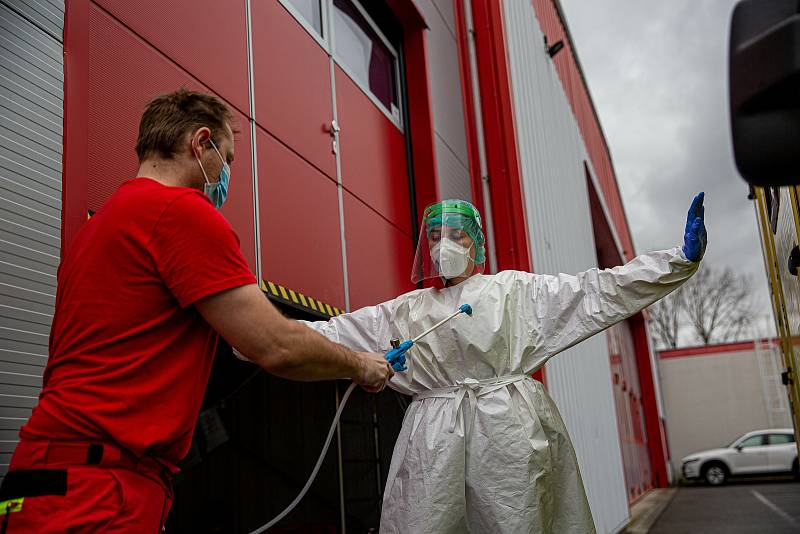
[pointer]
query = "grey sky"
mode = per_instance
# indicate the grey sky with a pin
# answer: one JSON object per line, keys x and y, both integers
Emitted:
{"x": 657, "y": 72}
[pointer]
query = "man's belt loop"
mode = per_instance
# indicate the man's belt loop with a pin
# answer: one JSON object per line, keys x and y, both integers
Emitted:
{"x": 94, "y": 454}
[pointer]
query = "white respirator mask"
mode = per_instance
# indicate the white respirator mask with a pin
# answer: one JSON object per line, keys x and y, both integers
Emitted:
{"x": 450, "y": 258}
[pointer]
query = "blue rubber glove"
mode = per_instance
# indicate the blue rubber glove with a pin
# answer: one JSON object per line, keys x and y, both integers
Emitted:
{"x": 397, "y": 357}
{"x": 694, "y": 237}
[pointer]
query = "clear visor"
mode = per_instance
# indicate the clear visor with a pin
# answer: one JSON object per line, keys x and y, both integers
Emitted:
{"x": 445, "y": 250}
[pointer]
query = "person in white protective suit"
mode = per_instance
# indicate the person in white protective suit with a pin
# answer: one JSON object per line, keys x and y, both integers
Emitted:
{"x": 483, "y": 447}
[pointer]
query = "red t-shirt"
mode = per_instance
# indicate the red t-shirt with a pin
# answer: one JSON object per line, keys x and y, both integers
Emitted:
{"x": 130, "y": 356}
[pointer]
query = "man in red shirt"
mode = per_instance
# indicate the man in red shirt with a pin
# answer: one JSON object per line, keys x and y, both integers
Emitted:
{"x": 144, "y": 291}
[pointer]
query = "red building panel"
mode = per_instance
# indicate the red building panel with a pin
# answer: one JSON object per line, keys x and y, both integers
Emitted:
{"x": 300, "y": 232}
{"x": 209, "y": 40}
{"x": 379, "y": 256}
{"x": 117, "y": 58}
{"x": 291, "y": 74}
{"x": 373, "y": 154}
{"x": 589, "y": 123}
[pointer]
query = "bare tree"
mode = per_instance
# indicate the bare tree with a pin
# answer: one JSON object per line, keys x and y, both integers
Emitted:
{"x": 718, "y": 305}
{"x": 714, "y": 306}
{"x": 665, "y": 318}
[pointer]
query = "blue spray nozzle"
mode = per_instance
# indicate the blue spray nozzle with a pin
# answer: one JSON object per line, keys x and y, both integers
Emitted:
{"x": 466, "y": 308}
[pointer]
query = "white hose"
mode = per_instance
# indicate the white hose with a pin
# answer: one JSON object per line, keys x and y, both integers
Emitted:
{"x": 303, "y": 492}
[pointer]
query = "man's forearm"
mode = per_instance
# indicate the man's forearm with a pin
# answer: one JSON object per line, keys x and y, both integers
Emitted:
{"x": 299, "y": 353}
{"x": 251, "y": 324}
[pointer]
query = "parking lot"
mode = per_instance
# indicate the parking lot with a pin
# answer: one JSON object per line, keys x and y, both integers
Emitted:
{"x": 740, "y": 507}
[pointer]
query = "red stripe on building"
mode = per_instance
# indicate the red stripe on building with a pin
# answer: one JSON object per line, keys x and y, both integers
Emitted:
{"x": 712, "y": 349}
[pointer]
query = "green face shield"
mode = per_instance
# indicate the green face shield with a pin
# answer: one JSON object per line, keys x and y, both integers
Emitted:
{"x": 451, "y": 242}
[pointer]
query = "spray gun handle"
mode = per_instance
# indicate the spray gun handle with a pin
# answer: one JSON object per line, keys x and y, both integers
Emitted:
{"x": 397, "y": 356}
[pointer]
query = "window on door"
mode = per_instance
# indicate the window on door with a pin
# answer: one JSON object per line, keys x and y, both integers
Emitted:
{"x": 780, "y": 439}
{"x": 310, "y": 12}
{"x": 752, "y": 441}
{"x": 366, "y": 54}
{"x": 364, "y": 39}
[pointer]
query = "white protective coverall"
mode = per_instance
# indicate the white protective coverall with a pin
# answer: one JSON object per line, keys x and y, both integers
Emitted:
{"x": 482, "y": 447}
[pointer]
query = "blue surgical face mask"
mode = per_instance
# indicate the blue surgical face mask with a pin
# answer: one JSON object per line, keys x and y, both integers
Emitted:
{"x": 217, "y": 191}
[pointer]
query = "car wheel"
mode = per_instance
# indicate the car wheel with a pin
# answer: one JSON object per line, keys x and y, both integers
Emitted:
{"x": 715, "y": 474}
{"x": 796, "y": 470}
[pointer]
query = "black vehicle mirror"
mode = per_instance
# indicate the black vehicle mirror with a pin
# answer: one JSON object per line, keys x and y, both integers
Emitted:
{"x": 764, "y": 78}
{"x": 739, "y": 448}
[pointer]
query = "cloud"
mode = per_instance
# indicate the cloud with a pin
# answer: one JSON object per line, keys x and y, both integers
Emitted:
{"x": 657, "y": 72}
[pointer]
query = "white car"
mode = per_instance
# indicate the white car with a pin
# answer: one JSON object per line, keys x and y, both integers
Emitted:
{"x": 756, "y": 453}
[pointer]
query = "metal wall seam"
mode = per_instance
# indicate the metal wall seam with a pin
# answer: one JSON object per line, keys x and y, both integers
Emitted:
{"x": 339, "y": 185}
{"x": 253, "y": 143}
{"x": 551, "y": 153}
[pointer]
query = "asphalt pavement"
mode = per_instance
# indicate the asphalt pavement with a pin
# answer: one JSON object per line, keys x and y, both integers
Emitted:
{"x": 737, "y": 508}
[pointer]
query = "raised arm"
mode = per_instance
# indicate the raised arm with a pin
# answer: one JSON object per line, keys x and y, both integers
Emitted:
{"x": 572, "y": 308}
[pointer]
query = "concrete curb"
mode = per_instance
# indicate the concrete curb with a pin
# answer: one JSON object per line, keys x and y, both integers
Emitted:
{"x": 648, "y": 509}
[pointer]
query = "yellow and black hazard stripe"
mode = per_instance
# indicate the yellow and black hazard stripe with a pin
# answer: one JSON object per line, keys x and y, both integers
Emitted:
{"x": 289, "y": 297}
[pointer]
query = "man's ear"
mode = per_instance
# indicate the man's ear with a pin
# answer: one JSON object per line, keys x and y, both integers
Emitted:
{"x": 199, "y": 138}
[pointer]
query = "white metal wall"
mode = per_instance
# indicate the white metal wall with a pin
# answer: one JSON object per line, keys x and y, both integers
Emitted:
{"x": 31, "y": 111}
{"x": 447, "y": 101}
{"x": 552, "y": 155}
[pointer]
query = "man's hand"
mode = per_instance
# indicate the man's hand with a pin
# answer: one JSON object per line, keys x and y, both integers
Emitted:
{"x": 373, "y": 373}
{"x": 694, "y": 236}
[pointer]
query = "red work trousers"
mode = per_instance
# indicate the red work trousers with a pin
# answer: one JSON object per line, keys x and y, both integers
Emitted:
{"x": 115, "y": 494}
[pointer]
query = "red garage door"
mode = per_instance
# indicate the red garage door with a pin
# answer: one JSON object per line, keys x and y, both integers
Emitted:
{"x": 332, "y": 180}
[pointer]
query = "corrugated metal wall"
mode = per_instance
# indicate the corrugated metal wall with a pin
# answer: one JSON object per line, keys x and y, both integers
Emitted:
{"x": 452, "y": 161}
{"x": 31, "y": 111}
{"x": 566, "y": 64}
{"x": 552, "y": 155}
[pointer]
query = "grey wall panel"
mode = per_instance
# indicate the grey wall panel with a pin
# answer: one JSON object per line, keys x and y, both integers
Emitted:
{"x": 453, "y": 173}
{"x": 37, "y": 230}
{"x": 447, "y": 103}
{"x": 21, "y": 379}
{"x": 23, "y": 300}
{"x": 21, "y": 358}
{"x": 44, "y": 14}
{"x": 31, "y": 138}
{"x": 11, "y": 292}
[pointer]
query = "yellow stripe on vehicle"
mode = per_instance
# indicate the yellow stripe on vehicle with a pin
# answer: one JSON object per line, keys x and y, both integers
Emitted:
{"x": 10, "y": 506}
{"x": 294, "y": 297}
{"x": 273, "y": 289}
